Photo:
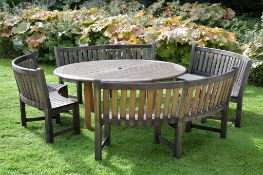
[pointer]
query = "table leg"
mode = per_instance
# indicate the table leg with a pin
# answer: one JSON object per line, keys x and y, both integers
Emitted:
{"x": 89, "y": 105}
{"x": 91, "y": 99}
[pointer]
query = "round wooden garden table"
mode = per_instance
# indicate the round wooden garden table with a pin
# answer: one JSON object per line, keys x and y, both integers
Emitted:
{"x": 116, "y": 70}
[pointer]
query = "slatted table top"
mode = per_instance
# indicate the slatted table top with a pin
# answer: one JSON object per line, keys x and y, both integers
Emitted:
{"x": 120, "y": 70}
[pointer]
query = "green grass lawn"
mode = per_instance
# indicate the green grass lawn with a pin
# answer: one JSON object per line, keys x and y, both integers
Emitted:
{"x": 24, "y": 151}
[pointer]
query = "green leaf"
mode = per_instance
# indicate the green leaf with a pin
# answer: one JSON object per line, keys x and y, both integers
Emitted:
{"x": 67, "y": 43}
{"x": 102, "y": 40}
{"x": 167, "y": 51}
{"x": 186, "y": 58}
{"x": 21, "y": 28}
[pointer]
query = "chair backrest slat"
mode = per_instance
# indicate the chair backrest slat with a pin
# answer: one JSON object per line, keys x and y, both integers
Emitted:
{"x": 202, "y": 97}
{"x": 114, "y": 103}
{"x": 175, "y": 99}
{"x": 196, "y": 99}
{"x": 189, "y": 99}
{"x": 209, "y": 61}
{"x": 132, "y": 104}
{"x": 208, "y": 95}
{"x": 159, "y": 99}
{"x": 167, "y": 101}
{"x": 150, "y": 103}
{"x": 163, "y": 100}
{"x": 213, "y": 95}
{"x": 106, "y": 104}
{"x": 142, "y": 99}
{"x": 123, "y": 104}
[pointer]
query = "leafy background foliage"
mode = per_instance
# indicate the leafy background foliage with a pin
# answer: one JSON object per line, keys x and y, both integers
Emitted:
{"x": 174, "y": 26}
{"x": 39, "y": 29}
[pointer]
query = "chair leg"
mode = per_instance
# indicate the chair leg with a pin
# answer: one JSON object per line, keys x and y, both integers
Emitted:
{"x": 79, "y": 92}
{"x": 107, "y": 128}
{"x": 98, "y": 140}
{"x": 157, "y": 134}
{"x": 178, "y": 140}
{"x": 76, "y": 119}
{"x": 23, "y": 113}
{"x": 58, "y": 121}
{"x": 224, "y": 118}
{"x": 188, "y": 126}
{"x": 49, "y": 128}
{"x": 238, "y": 114}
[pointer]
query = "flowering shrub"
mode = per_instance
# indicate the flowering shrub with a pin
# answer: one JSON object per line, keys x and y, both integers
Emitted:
{"x": 255, "y": 48}
{"x": 37, "y": 29}
{"x": 255, "y": 51}
{"x": 256, "y": 75}
{"x": 204, "y": 13}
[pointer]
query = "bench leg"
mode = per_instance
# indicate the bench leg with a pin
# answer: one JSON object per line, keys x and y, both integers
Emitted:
{"x": 223, "y": 130}
{"x": 157, "y": 134}
{"x": 76, "y": 119}
{"x": 49, "y": 128}
{"x": 98, "y": 141}
{"x": 178, "y": 140}
{"x": 79, "y": 92}
{"x": 23, "y": 113}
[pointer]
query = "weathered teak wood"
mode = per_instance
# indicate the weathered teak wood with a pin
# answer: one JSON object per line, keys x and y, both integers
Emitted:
{"x": 132, "y": 104}
{"x": 175, "y": 103}
{"x": 123, "y": 103}
{"x": 65, "y": 56}
{"x": 34, "y": 92}
{"x": 205, "y": 62}
{"x": 141, "y": 104}
{"x": 88, "y": 103}
{"x": 118, "y": 70}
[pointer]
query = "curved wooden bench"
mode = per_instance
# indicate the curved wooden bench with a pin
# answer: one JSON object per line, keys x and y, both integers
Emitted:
{"x": 34, "y": 91}
{"x": 155, "y": 104}
{"x": 205, "y": 62}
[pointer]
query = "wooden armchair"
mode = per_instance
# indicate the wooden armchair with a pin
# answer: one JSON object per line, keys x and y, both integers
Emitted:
{"x": 65, "y": 56}
{"x": 207, "y": 62}
{"x": 34, "y": 92}
{"x": 173, "y": 103}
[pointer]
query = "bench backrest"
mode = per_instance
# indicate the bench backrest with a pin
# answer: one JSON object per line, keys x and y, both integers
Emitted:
{"x": 31, "y": 82}
{"x": 161, "y": 102}
{"x": 71, "y": 55}
{"x": 27, "y": 61}
{"x": 210, "y": 61}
